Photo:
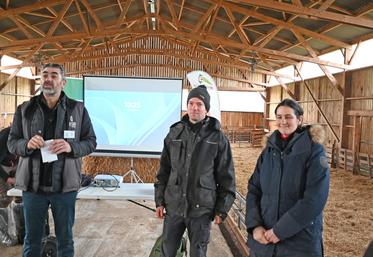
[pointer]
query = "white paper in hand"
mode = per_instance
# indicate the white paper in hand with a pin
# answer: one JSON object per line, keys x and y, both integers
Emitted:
{"x": 47, "y": 156}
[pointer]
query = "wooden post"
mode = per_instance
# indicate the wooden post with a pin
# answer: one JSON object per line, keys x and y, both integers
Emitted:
{"x": 370, "y": 169}
{"x": 334, "y": 155}
{"x": 356, "y": 144}
{"x": 344, "y": 133}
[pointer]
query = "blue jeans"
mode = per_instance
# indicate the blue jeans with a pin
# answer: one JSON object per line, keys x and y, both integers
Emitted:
{"x": 35, "y": 208}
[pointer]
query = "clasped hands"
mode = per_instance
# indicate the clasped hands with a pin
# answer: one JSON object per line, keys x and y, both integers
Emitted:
{"x": 264, "y": 236}
{"x": 57, "y": 146}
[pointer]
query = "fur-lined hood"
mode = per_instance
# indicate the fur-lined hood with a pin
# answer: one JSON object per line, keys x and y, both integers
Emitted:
{"x": 317, "y": 133}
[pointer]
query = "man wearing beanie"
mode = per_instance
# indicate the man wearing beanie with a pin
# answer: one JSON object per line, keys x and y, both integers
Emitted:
{"x": 196, "y": 181}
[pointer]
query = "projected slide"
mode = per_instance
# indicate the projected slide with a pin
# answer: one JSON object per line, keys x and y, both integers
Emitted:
{"x": 132, "y": 115}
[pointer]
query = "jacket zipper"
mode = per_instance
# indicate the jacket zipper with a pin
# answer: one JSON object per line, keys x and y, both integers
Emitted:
{"x": 280, "y": 183}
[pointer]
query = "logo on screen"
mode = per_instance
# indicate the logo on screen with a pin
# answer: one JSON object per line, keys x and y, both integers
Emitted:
{"x": 132, "y": 105}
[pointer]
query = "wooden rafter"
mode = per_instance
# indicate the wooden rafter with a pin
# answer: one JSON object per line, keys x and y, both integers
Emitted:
{"x": 265, "y": 40}
{"x": 58, "y": 19}
{"x": 124, "y": 11}
{"x": 329, "y": 27}
{"x": 328, "y": 74}
{"x": 288, "y": 25}
{"x": 92, "y": 13}
{"x": 332, "y": 16}
{"x": 204, "y": 18}
{"x": 177, "y": 67}
{"x": 244, "y": 38}
{"x": 172, "y": 11}
{"x": 29, "y": 8}
{"x": 226, "y": 42}
{"x": 318, "y": 106}
{"x": 20, "y": 67}
{"x": 258, "y": 29}
{"x": 21, "y": 27}
{"x": 27, "y": 24}
{"x": 181, "y": 9}
{"x": 325, "y": 5}
{"x": 85, "y": 25}
{"x": 63, "y": 21}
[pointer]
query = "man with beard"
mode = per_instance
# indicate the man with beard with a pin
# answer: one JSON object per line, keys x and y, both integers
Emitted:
{"x": 65, "y": 125}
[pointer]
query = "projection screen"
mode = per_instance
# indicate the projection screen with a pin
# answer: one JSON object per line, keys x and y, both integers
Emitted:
{"x": 131, "y": 116}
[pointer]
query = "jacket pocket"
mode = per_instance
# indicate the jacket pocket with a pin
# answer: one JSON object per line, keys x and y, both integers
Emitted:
{"x": 172, "y": 197}
{"x": 207, "y": 191}
{"x": 71, "y": 174}
{"x": 176, "y": 149}
{"x": 23, "y": 173}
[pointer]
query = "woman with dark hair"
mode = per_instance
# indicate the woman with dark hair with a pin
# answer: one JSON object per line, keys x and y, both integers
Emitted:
{"x": 288, "y": 189}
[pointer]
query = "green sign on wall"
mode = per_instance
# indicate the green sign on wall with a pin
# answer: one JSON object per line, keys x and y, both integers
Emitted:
{"x": 74, "y": 88}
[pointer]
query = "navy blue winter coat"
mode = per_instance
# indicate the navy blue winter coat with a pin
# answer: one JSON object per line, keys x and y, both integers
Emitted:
{"x": 287, "y": 192}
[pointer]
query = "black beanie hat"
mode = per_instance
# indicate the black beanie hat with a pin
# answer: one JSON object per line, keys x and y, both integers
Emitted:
{"x": 201, "y": 93}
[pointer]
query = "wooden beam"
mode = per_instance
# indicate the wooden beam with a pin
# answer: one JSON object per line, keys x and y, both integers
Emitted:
{"x": 234, "y": 236}
{"x": 129, "y": 50}
{"x": 356, "y": 143}
{"x": 318, "y": 107}
{"x": 181, "y": 9}
{"x": 310, "y": 12}
{"x": 67, "y": 25}
{"x": 247, "y": 89}
{"x": 244, "y": 38}
{"x": 27, "y": 24}
{"x": 85, "y": 25}
{"x": 29, "y": 8}
{"x": 20, "y": 67}
{"x": 287, "y": 25}
{"x": 325, "y": 5}
{"x": 21, "y": 27}
{"x": 207, "y": 37}
{"x": 172, "y": 11}
{"x": 58, "y": 19}
{"x": 204, "y": 19}
{"x": 124, "y": 12}
{"x": 93, "y": 14}
{"x": 135, "y": 65}
{"x": 360, "y": 113}
{"x": 366, "y": 9}
{"x": 328, "y": 74}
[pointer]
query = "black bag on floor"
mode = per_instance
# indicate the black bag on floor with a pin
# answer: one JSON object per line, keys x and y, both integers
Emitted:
{"x": 181, "y": 251}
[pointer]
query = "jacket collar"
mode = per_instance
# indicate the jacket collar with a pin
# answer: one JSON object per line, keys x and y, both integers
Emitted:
{"x": 316, "y": 133}
{"x": 61, "y": 101}
{"x": 209, "y": 122}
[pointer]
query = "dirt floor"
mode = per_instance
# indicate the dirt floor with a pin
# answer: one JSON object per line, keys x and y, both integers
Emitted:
{"x": 348, "y": 216}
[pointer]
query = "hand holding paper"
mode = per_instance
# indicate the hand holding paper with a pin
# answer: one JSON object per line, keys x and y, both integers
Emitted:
{"x": 46, "y": 154}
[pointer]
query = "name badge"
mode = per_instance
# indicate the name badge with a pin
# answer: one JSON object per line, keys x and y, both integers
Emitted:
{"x": 68, "y": 134}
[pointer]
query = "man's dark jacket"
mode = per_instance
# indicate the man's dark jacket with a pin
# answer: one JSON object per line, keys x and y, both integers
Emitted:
{"x": 287, "y": 192}
{"x": 29, "y": 121}
{"x": 196, "y": 174}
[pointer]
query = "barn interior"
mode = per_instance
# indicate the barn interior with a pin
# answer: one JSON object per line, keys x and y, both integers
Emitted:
{"x": 245, "y": 45}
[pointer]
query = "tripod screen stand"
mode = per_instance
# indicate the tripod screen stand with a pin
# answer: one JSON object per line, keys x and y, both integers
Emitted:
{"x": 134, "y": 178}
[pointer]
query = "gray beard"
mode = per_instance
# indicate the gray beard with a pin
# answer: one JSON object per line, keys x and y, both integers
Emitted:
{"x": 48, "y": 91}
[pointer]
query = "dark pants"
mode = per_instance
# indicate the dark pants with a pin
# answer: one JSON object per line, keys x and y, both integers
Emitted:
{"x": 36, "y": 210}
{"x": 198, "y": 233}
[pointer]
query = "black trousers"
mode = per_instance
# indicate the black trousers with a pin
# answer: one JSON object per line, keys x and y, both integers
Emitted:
{"x": 198, "y": 232}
